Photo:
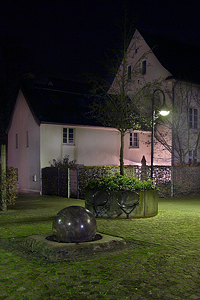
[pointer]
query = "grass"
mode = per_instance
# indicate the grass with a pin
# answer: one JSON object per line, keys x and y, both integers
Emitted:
{"x": 161, "y": 262}
{"x": 34, "y": 215}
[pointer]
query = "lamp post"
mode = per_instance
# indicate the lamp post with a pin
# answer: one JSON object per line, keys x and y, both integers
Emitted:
{"x": 164, "y": 111}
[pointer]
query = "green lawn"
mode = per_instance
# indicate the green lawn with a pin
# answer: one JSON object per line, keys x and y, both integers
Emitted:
{"x": 161, "y": 261}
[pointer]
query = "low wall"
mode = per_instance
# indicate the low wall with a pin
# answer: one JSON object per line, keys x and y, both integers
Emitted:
{"x": 162, "y": 175}
{"x": 148, "y": 205}
{"x": 169, "y": 180}
{"x": 186, "y": 180}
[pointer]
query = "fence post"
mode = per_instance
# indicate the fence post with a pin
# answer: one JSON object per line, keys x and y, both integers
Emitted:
{"x": 68, "y": 183}
{"x": 58, "y": 182}
{"x": 77, "y": 182}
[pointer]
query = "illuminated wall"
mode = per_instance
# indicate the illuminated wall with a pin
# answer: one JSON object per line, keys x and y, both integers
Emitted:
{"x": 24, "y": 147}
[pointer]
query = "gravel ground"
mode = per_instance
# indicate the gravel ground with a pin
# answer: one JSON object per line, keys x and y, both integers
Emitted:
{"x": 161, "y": 261}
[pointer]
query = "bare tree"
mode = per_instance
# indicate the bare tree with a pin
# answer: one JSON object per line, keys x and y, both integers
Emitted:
{"x": 183, "y": 126}
{"x": 126, "y": 103}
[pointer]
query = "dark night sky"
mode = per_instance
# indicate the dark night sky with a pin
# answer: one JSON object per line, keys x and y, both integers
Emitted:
{"x": 66, "y": 38}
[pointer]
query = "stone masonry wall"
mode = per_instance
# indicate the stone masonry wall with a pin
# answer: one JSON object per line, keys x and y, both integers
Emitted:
{"x": 179, "y": 180}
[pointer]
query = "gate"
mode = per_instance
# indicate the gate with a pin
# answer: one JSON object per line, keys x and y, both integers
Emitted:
{"x": 60, "y": 182}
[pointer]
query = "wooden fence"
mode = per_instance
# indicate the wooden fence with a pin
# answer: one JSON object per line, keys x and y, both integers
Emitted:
{"x": 60, "y": 182}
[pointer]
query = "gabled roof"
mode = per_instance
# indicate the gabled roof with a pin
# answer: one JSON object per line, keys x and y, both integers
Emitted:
{"x": 69, "y": 85}
{"x": 67, "y": 102}
{"x": 180, "y": 59}
{"x": 63, "y": 106}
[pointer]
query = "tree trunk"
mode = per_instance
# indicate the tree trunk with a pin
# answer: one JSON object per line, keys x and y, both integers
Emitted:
{"x": 3, "y": 178}
{"x": 122, "y": 154}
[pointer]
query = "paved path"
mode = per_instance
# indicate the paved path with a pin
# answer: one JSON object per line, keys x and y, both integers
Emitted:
{"x": 162, "y": 260}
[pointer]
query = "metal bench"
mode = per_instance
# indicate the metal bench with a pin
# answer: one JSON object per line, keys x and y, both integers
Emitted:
{"x": 128, "y": 201}
{"x": 99, "y": 201}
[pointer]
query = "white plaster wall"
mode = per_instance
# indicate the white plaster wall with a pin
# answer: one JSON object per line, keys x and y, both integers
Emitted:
{"x": 189, "y": 94}
{"x": 93, "y": 146}
{"x": 25, "y": 159}
{"x": 97, "y": 146}
{"x": 134, "y": 155}
{"x": 154, "y": 71}
{"x": 50, "y": 143}
{"x": 162, "y": 157}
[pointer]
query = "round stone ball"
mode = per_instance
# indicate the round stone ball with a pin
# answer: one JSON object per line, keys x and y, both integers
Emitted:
{"x": 74, "y": 224}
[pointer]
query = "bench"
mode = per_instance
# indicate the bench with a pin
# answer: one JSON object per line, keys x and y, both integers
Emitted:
{"x": 128, "y": 201}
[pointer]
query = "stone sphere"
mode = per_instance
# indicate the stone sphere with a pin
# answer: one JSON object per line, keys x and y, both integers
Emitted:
{"x": 74, "y": 224}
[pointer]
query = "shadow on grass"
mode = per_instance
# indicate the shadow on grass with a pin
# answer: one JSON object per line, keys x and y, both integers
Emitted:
{"x": 35, "y": 202}
{"x": 27, "y": 220}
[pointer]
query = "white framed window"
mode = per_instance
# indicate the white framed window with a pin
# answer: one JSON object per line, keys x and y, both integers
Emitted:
{"x": 192, "y": 157}
{"x": 68, "y": 136}
{"x": 193, "y": 118}
{"x": 134, "y": 140}
{"x": 144, "y": 67}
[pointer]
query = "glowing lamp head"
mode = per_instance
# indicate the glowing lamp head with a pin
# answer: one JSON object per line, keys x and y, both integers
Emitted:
{"x": 164, "y": 113}
{"x": 164, "y": 110}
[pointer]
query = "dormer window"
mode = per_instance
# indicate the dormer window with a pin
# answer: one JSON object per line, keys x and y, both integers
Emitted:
{"x": 144, "y": 67}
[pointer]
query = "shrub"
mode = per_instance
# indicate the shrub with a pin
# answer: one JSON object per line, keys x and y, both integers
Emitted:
{"x": 11, "y": 185}
{"x": 62, "y": 163}
{"x": 120, "y": 183}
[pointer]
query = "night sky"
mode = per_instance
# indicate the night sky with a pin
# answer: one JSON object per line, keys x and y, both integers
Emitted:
{"x": 67, "y": 38}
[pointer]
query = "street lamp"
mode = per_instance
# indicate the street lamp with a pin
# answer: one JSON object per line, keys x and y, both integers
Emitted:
{"x": 164, "y": 111}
